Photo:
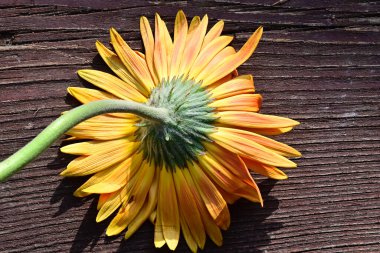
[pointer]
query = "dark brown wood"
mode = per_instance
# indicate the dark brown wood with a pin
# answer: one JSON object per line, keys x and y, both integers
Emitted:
{"x": 318, "y": 62}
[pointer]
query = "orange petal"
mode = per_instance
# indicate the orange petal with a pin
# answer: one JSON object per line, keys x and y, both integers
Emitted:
{"x": 191, "y": 243}
{"x": 226, "y": 52}
{"x": 232, "y": 62}
{"x": 112, "y": 84}
{"x": 221, "y": 81}
{"x": 142, "y": 56}
{"x": 148, "y": 40}
{"x": 188, "y": 208}
{"x": 254, "y": 120}
{"x": 135, "y": 65}
{"x": 265, "y": 170}
{"x": 214, "y": 32}
{"x": 271, "y": 131}
{"x": 168, "y": 43}
{"x": 102, "y": 199}
{"x": 213, "y": 200}
{"x": 229, "y": 197}
{"x": 159, "y": 239}
{"x": 239, "y": 85}
{"x": 242, "y": 102}
{"x": 194, "y": 42}
{"x": 116, "y": 65}
{"x": 180, "y": 34}
{"x": 229, "y": 181}
{"x": 278, "y": 147}
{"x": 230, "y": 161}
{"x": 212, "y": 229}
{"x": 208, "y": 53}
{"x": 248, "y": 148}
{"x": 160, "y": 54}
{"x": 168, "y": 209}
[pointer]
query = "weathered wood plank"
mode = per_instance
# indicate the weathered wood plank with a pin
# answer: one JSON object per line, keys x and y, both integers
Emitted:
{"x": 318, "y": 63}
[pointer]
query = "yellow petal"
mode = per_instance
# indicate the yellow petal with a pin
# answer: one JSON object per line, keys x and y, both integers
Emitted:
{"x": 143, "y": 181}
{"x": 100, "y": 160}
{"x": 117, "y": 175}
{"x": 248, "y": 148}
{"x": 104, "y": 187}
{"x": 102, "y": 199}
{"x": 116, "y": 65}
{"x": 85, "y": 96}
{"x": 96, "y": 178}
{"x": 265, "y": 170}
{"x": 168, "y": 209}
{"x": 214, "y": 32}
{"x": 208, "y": 53}
{"x": 254, "y": 120}
{"x": 111, "y": 204}
{"x": 234, "y": 61}
{"x": 188, "y": 209}
{"x": 180, "y": 34}
{"x": 148, "y": 207}
{"x": 213, "y": 200}
{"x": 194, "y": 42}
{"x": 159, "y": 239}
{"x": 90, "y": 147}
{"x": 112, "y": 84}
{"x": 104, "y": 127}
{"x": 239, "y": 85}
{"x": 194, "y": 24}
{"x": 242, "y": 102}
{"x": 135, "y": 65}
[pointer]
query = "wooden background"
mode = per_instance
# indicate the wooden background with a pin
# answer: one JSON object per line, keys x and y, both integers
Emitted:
{"x": 318, "y": 62}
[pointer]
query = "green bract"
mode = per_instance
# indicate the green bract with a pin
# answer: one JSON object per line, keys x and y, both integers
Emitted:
{"x": 179, "y": 141}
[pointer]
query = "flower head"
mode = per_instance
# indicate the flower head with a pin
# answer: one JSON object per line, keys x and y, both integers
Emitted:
{"x": 180, "y": 173}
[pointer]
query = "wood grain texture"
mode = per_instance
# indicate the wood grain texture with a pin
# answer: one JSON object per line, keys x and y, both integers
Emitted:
{"x": 318, "y": 62}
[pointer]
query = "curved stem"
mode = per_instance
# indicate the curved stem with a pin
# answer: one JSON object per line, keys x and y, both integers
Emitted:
{"x": 68, "y": 120}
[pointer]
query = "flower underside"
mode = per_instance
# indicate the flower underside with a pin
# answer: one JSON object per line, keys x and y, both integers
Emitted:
{"x": 179, "y": 141}
{"x": 180, "y": 172}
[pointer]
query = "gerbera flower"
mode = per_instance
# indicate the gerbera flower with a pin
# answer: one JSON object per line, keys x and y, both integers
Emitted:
{"x": 180, "y": 174}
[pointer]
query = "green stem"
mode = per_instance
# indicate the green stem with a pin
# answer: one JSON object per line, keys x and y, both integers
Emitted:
{"x": 68, "y": 120}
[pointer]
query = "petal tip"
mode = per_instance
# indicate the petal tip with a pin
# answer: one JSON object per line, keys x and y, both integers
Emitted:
{"x": 63, "y": 173}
